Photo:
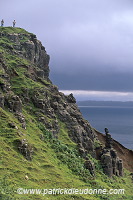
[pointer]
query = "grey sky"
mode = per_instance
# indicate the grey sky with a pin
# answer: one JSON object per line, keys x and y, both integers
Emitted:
{"x": 90, "y": 42}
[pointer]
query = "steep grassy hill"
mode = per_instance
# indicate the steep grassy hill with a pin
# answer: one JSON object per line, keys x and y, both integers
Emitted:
{"x": 44, "y": 141}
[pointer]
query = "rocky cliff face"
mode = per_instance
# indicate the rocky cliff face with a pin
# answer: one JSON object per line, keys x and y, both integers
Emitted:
{"x": 23, "y": 59}
{"x": 27, "y": 46}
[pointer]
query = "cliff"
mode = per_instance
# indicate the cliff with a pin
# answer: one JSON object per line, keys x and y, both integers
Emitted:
{"x": 39, "y": 123}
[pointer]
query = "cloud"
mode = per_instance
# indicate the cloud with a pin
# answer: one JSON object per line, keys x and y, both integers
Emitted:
{"x": 99, "y": 95}
{"x": 94, "y": 80}
{"x": 90, "y": 42}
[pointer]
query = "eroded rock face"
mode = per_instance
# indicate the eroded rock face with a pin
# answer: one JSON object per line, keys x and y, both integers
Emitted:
{"x": 35, "y": 52}
{"x": 25, "y": 149}
{"x": 80, "y": 130}
{"x": 107, "y": 164}
{"x": 111, "y": 163}
{"x": 27, "y": 46}
{"x": 14, "y": 103}
{"x": 90, "y": 166}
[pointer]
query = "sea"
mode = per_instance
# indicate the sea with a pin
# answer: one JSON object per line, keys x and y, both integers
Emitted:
{"x": 118, "y": 120}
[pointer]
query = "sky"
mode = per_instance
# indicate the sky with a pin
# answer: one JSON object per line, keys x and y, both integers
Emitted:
{"x": 90, "y": 43}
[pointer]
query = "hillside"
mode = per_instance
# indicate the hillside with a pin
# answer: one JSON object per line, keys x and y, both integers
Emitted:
{"x": 45, "y": 141}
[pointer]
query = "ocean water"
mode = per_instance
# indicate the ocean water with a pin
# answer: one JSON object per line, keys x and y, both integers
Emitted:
{"x": 119, "y": 121}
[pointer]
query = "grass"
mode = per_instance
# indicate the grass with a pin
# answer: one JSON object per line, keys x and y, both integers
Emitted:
{"x": 54, "y": 164}
{"x": 12, "y": 30}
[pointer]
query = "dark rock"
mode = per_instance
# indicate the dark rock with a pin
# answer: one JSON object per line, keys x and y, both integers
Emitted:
{"x": 70, "y": 98}
{"x": 2, "y": 101}
{"x": 106, "y": 130}
{"x": 82, "y": 151}
{"x": 111, "y": 163}
{"x": 42, "y": 137}
{"x": 131, "y": 174}
{"x": 36, "y": 53}
{"x": 14, "y": 103}
{"x": 107, "y": 164}
{"x": 79, "y": 130}
{"x": 31, "y": 49}
{"x": 54, "y": 106}
{"x": 120, "y": 167}
{"x": 90, "y": 166}
{"x": 12, "y": 125}
{"x": 25, "y": 149}
{"x": 21, "y": 119}
{"x": 109, "y": 140}
{"x": 13, "y": 37}
{"x": 40, "y": 73}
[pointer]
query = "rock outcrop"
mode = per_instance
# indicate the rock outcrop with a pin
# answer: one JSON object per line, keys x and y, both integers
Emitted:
{"x": 111, "y": 163}
{"x": 27, "y": 46}
{"x": 25, "y": 149}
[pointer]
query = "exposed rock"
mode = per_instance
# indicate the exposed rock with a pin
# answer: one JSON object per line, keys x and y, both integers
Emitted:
{"x": 111, "y": 163}
{"x": 80, "y": 130}
{"x": 51, "y": 125}
{"x": 4, "y": 77}
{"x": 21, "y": 118}
{"x": 120, "y": 167}
{"x": 14, "y": 37}
{"x": 31, "y": 49}
{"x": 90, "y": 166}
{"x": 2, "y": 100}
{"x": 131, "y": 177}
{"x": 25, "y": 149}
{"x": 35, "y": 52}
{"x": 109, "y": 140}
{"x": 40, "y": 73}
{"x": 14, "y": 103}
{"x": 42, "y": 137}
{"x": 12, "y": 125}
{"x": 82, "y": 152}
{"x": 70, "y": 98}
{"x": 107, "y": 164}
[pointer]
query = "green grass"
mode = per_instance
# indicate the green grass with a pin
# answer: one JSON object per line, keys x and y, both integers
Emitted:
{"x": 11, "y": 30}
{"x": 54, "y": 164}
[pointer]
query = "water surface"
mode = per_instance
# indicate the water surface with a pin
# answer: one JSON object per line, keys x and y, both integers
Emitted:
{"x": 119, "y": 121}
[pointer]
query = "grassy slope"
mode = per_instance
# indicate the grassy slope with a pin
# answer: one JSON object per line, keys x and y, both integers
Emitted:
{"x": 55, "y": 163}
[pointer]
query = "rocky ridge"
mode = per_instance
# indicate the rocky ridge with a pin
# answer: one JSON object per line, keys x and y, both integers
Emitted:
{"x": 30, "y": 59}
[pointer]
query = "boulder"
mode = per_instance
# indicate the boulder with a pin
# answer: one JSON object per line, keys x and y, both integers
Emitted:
{"x": 25, "y": 149}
